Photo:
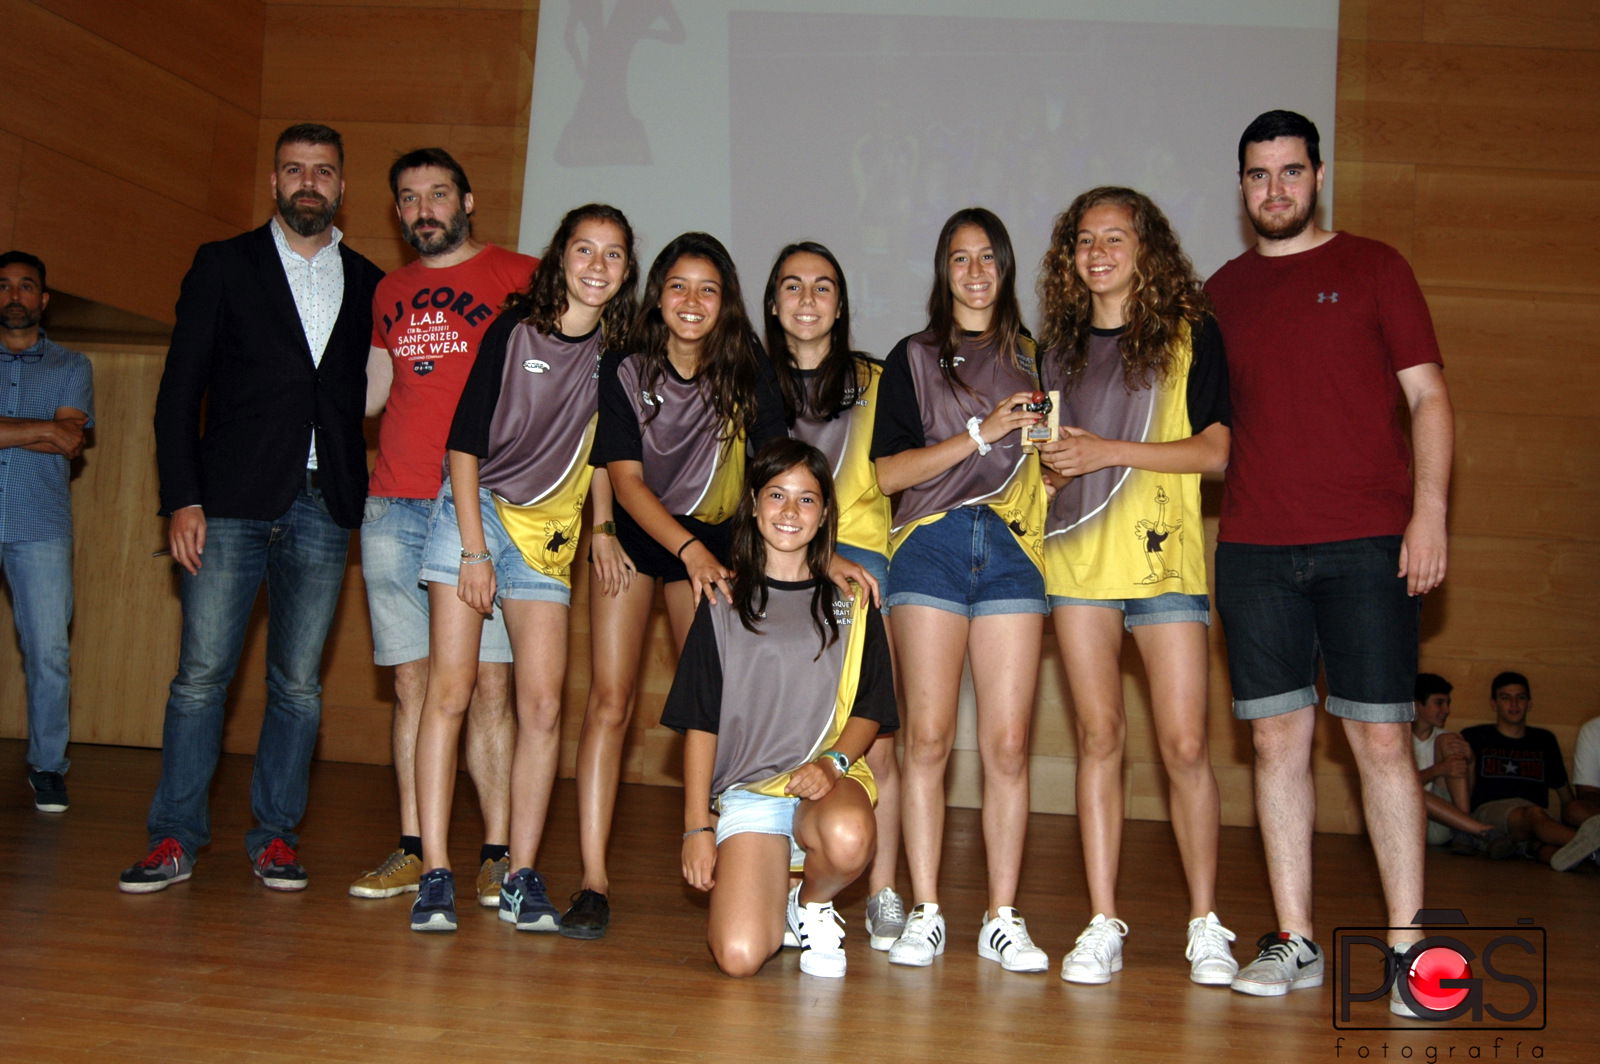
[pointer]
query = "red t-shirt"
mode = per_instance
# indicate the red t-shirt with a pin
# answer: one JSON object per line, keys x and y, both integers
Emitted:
{"x": 1314, "y": 342}
{"x": 431, "y": 321}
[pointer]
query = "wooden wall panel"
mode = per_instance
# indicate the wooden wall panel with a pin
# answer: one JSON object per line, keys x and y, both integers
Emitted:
{"x": 10, "y": 178}
{"x": 1558, "y": 24}
{"x": 216, "y": 47}
{"x": 378, "y": 64}
{"x": 1517, "y": 352}
{"x": 139, "y": 251}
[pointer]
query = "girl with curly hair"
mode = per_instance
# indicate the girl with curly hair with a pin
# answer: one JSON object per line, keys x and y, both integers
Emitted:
{"x": 1138, "y": 360}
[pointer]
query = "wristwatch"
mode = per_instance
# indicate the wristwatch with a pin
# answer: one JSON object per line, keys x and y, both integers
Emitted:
{"x": 606, "y": 528}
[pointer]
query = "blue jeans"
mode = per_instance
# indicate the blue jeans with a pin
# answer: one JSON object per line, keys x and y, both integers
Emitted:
{"x": 301, "y": 557}
{"x": 40, "y": 574}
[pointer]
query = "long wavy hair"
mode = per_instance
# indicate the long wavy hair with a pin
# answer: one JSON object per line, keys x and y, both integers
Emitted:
{"x": 1165, "y": 294}
{"x": 730, "y": 356}
{"x": 1005, "y": 327}
{"x": 546, "y": 297}
{"x": 749, "y": 552}
{"x": 841, "y": 378}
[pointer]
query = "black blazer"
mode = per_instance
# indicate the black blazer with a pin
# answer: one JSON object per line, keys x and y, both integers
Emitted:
{"x": 239, "y": 351}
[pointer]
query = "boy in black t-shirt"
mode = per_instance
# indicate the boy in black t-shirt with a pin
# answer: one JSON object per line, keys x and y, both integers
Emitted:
{"x": 1514, "y": 769}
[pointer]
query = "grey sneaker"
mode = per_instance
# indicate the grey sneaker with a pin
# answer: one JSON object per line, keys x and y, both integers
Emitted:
{"x": 886, "y": 918}
{"x": 166, "y": 863}
{"x": 49, "y": 791}
{"x": 1286, "y": 962}
{"x": 1584, "y": 843}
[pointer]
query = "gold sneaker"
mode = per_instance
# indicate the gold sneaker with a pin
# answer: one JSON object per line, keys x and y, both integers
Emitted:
{"x": 490, "y": 877}
{"x": 399, "y": 874}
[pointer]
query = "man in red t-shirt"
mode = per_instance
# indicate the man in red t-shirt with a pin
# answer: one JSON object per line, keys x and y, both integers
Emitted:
{"x": 427, "y": 320}
{"x": 1331, "y": 526}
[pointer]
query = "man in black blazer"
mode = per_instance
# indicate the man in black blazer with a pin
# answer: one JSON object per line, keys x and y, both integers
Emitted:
{"x": 270, "y": 344}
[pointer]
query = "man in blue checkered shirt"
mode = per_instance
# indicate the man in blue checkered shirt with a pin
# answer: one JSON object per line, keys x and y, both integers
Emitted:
{"x": 46, "y": 404}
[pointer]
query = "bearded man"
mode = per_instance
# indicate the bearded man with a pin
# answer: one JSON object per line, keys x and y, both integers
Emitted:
{"x": 1332, "y": 527}
{"x": 263, "y": 476}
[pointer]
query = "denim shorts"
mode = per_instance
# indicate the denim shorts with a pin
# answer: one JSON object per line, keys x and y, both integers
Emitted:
{"x": 1283, "y": 608}
{"x": 1169, "y": 608}
{"x": 745, "y": 811}
{"x": 967, "y": 562}
{"x": 873, "y": 561}
{"x": 514, "y": 578}
{"x": 393, "y": 535}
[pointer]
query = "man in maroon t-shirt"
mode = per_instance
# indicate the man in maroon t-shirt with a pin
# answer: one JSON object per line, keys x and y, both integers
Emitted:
{"x": 428, "y": 318}
{"x": 1332, "y": 527}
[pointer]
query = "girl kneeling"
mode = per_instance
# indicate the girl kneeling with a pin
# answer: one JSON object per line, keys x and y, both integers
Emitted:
{"x": 779, "y": 694}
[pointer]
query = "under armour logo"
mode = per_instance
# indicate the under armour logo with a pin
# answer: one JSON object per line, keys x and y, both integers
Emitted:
{"x": 1327, "y": 297}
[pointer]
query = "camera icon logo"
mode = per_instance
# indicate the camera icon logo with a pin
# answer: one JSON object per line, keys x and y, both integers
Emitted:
{"x": 1456, "y": 974}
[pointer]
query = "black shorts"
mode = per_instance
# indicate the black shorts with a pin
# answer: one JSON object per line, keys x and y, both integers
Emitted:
{"x": 654, "y": 560}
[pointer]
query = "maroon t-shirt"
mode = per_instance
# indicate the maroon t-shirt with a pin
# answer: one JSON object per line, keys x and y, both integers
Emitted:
{"x": 1314, "y": 343}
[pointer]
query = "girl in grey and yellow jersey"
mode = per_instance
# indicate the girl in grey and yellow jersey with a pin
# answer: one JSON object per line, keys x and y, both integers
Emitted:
{"x": 1139, "y": 362}
{"x": 831, "y": 394}
{"x": 965, "y": 573}
{"x": 679, "y": 411}
{"x": 780, "y": 690}
{"x": 519, "y": 473}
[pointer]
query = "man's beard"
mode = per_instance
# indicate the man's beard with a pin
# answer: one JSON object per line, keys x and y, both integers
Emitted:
{"x": 18, "y": 317}
{"x": 441, "y": 240}
{"x": 1285, "y": 226}
{"x": 307, "y": 219}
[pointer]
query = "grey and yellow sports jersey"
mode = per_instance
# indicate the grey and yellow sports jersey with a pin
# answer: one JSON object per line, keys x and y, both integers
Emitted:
{"x": 529, "y": 410}
{"x": 675, "y": 435}
{"x": 1122, "y": 533}
{"x": 771, "y": 700}
{"x": 846, "y": 441}
{"x": 919, "y": 407}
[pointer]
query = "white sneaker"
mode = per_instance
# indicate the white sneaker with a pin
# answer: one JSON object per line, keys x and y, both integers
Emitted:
{"x": 1098, "y": 952}
{"x": 886, "y": 918}
{"x": 1211, "y": 961}
{"x": 791, "y": 932}
{"x": 820, "y": 931}
{"x": 923, "y": 938}
{"x": 1005, "y": 939}
{"x": 1286, "y": 962}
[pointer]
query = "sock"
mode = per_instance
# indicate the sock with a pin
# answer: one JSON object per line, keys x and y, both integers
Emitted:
{"x": 487, "y": 852}
{"x": 412, "y": 844}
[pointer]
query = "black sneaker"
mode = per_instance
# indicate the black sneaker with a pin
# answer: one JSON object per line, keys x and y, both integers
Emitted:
{"x": 588, "y": 917}
{"x": 278, "y": 867}
{"x": 435, "y": 907}
{"x": 49, "y": 791}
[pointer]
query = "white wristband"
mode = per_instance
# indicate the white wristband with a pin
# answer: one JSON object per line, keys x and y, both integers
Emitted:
{"x": 973, "y": 425}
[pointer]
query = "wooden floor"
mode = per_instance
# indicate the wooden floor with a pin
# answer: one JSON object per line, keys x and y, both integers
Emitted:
{"x": 220, "y": 969}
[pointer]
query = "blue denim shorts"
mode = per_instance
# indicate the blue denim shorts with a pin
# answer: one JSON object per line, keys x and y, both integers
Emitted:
{"x": 743, "y": 811}
{"x": 873, "y": 561}
{"x": 394, "y": 533}
{"x": 1169, "y": 608}
{"x": 514, "y": 578}
{"x": 967, "y": 562}
{"x": 1284, "y": 608}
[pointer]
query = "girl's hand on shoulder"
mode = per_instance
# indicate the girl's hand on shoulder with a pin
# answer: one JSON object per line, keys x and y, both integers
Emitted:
{"x": 707, "y": 576}
{"x": 847, "y": 576}
{"x": 700, "y": 860}
{"x": 1076, "y": 453}
{"x": 1009, "y": 415}
{"x": 613, "y": 569}
{"x": 813, "y": 780}
{"x": 475, "y": 586}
